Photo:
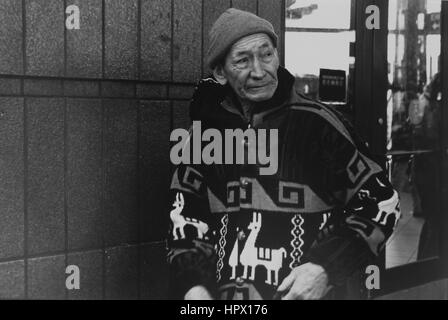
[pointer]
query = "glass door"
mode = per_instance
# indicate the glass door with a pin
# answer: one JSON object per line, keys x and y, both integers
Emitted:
{"x": 318, "y": 39}
{"x": 414, "y": 101}
{"x": 393, "y": 95}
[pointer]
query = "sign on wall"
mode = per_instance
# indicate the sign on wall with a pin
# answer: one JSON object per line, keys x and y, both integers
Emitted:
{"x": 332, "y": 85}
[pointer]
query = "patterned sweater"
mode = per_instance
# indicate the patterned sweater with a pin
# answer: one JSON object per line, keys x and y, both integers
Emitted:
{"x": 239, "y": 233}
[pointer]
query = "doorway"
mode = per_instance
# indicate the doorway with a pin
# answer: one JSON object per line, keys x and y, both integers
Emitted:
{"x": 393, "y": 94}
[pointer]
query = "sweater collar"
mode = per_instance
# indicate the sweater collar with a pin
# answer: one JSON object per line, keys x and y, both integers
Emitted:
{"x": 214, "y": 102}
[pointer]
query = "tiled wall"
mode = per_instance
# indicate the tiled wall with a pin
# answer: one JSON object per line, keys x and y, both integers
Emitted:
{"x": 85, "y": 117}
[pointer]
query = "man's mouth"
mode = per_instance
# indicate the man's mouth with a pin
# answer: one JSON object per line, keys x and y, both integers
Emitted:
{"x": 258, "y": 86}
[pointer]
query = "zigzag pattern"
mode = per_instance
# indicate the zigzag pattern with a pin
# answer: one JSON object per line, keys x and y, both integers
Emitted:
{"x": 297, "y": 241}
{"x": 222, "y": 244}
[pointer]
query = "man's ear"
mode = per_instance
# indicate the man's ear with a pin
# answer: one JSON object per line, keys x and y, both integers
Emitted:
{"x": 218, "y": 72}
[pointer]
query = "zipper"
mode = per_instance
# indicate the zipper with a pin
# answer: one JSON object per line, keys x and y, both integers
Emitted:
{"x": 251, "y": 120}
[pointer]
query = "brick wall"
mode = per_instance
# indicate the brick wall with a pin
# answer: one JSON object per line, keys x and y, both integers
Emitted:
{"x": 85, "y": 118}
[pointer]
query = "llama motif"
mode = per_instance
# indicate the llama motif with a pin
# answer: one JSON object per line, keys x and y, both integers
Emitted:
{"x": 388, "y": 207}
{"x": 179, "y": 221}
{"x": 233, "y": 259}
{"x": 252, "y": 256}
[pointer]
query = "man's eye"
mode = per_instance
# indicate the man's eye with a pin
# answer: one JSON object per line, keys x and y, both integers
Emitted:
{"x": 242, "y": 61}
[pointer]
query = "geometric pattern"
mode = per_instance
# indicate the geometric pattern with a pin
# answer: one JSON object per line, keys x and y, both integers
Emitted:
{"x": 222, "y": 244}
{"x": 296, "y": 242}
{"x": 357, "y": 169}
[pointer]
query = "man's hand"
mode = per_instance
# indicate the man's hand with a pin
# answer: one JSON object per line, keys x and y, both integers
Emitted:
{"x": 198, "y": 293}
{"x": 306, "y": 282}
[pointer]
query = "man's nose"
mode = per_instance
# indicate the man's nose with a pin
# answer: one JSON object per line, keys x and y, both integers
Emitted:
{"x": 257, "y": 70}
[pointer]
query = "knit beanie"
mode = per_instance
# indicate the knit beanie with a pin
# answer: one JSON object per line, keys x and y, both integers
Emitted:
{"x": 231, "y": 26}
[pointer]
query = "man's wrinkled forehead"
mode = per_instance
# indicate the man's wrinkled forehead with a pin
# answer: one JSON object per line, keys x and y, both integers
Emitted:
{"x": 250, "y": 43}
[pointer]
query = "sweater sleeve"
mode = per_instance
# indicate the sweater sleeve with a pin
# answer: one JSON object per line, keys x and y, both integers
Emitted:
{"x": 368, "y": 205}
{"x": 191, "y": 236}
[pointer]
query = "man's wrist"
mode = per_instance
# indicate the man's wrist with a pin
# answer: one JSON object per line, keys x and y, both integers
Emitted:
{"x": 340, "y": 257}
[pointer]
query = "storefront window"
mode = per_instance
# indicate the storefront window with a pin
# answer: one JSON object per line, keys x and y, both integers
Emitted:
{"x": 413, "y": 109}
{"x": 316, "y": 39}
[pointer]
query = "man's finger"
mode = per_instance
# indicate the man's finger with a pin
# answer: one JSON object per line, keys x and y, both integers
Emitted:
{"x": 327, "y": 289}
{"x": 291, "y": 295}
{"x": 288, "y": 296}
{"x": 287, "y": 282}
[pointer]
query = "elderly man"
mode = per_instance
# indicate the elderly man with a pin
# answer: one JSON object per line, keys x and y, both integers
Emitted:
{"x": 296, "y": 234}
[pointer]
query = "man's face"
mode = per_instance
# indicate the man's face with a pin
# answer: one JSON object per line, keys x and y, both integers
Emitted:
{"x": 251, "y": 68}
